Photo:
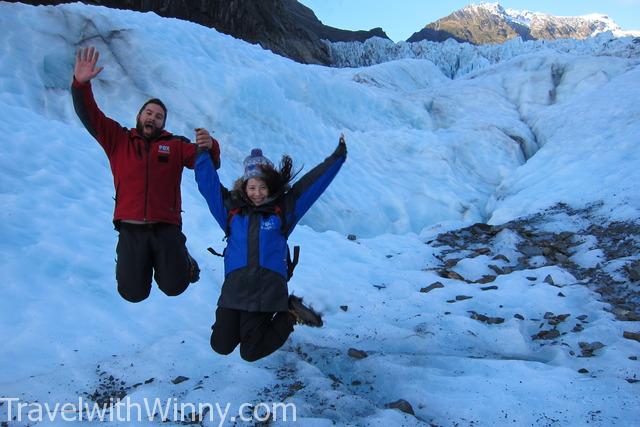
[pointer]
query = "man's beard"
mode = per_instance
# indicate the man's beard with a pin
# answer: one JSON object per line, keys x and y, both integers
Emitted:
{"x": 154, "y": 135}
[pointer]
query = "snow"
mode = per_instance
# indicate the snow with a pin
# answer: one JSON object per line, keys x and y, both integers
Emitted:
{"x": 520, "y": 129}
{"x": 458, "y": 59}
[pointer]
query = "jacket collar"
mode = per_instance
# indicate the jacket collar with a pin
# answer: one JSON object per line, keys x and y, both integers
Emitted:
{"x": 164, "y": 135}
{"x": 242, "y": 201}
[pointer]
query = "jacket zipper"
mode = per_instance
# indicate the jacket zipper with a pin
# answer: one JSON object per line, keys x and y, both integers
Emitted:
{"x": 146, "y": 180}
{"x": 253, "y": 252}
{"x": 175, "y": 199}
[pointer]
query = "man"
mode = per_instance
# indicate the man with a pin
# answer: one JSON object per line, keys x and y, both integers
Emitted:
{"x": 146, "y": 163}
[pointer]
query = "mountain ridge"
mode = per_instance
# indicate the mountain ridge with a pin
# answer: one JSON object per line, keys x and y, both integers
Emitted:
{"x": 490, "y": 23}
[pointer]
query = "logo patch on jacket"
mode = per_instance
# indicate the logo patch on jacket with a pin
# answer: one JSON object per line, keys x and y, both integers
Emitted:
{"x": 269, "y": 224}
{"x": 163, "y": 153}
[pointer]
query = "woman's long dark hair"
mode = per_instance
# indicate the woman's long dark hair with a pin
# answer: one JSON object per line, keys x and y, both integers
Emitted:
{"x": 279, "y": 180}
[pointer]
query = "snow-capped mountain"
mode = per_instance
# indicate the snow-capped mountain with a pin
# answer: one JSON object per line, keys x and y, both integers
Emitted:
{"x": 490, "y": 23}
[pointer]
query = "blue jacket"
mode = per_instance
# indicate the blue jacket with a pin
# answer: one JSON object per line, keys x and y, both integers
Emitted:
{"x": 255, "y": 260}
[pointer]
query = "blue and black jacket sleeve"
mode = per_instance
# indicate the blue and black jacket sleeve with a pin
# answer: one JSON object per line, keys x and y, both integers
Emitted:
{"x": 310, "y": 187}
{"x": 211, "y": 189}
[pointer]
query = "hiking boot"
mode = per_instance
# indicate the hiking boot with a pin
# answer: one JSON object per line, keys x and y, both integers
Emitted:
{"x": 303, "y": 314}
{"x": 194, "y": 270}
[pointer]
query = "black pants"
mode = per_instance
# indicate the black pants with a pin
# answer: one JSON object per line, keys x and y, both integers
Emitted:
{"x": 151, "y": 249}
{"x": 259, "y": 334}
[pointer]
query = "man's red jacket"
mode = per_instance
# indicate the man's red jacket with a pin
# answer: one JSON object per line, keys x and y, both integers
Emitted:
{"x": 146, "y": 174}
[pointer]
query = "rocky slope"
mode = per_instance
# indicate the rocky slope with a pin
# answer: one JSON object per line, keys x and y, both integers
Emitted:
{"x": 285, "y": 27}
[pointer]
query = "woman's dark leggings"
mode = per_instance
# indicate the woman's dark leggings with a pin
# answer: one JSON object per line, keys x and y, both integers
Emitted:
{"x": 259, "y": 334}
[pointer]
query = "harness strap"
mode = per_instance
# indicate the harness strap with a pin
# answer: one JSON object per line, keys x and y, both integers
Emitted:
{"x": 216, "y": 253}
{"x": 292, "y": 262}
{"x": 230, "y": 215}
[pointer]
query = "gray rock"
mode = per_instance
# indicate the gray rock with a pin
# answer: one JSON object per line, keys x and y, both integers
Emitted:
{"x": 357, "y": 354}
{"x": 402, "y": 405}
{"x": 555, "y": 320}
{"x": 547, "y": 251}
{"x": 632, "y": 335}
{"x": 450, "y": 274}
{"x": 179, "y": 379}
{"x": 530, "y": 251}
{"x": 486, "y": 279}
{"x": 483, "y": 251}
{"x": 588, "y": 348}
{"x": 480, "y": 228}
{"x": 625, "y": 315}
{"x": 486, "y": 319}
{"x": 496, "y": 269}
{"x": 435, "y": 285}
{"x": 451, "y": 262}
{"x": 633, "y": 272}
{"x": 565, "y": 235}
{"x": 546, "y": 335}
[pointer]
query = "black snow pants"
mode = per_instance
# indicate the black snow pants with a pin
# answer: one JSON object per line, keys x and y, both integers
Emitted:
{"x": 259, "y": 334}
{"x": 156, "y": 249}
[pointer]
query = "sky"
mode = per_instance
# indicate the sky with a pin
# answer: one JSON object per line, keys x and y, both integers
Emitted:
{"x": 409, "y": 16}
{"x": 426, "y": 154}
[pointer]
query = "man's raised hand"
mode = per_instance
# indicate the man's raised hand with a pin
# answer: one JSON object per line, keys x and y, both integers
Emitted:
{"x": 85, "y": 68}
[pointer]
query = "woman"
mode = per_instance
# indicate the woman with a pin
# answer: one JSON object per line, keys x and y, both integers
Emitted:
{"x": 258, "y": 215}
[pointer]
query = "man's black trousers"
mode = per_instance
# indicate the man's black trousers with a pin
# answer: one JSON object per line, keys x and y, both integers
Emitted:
{"x": 259, "y": 334}
{"x": 146, "y": 250}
